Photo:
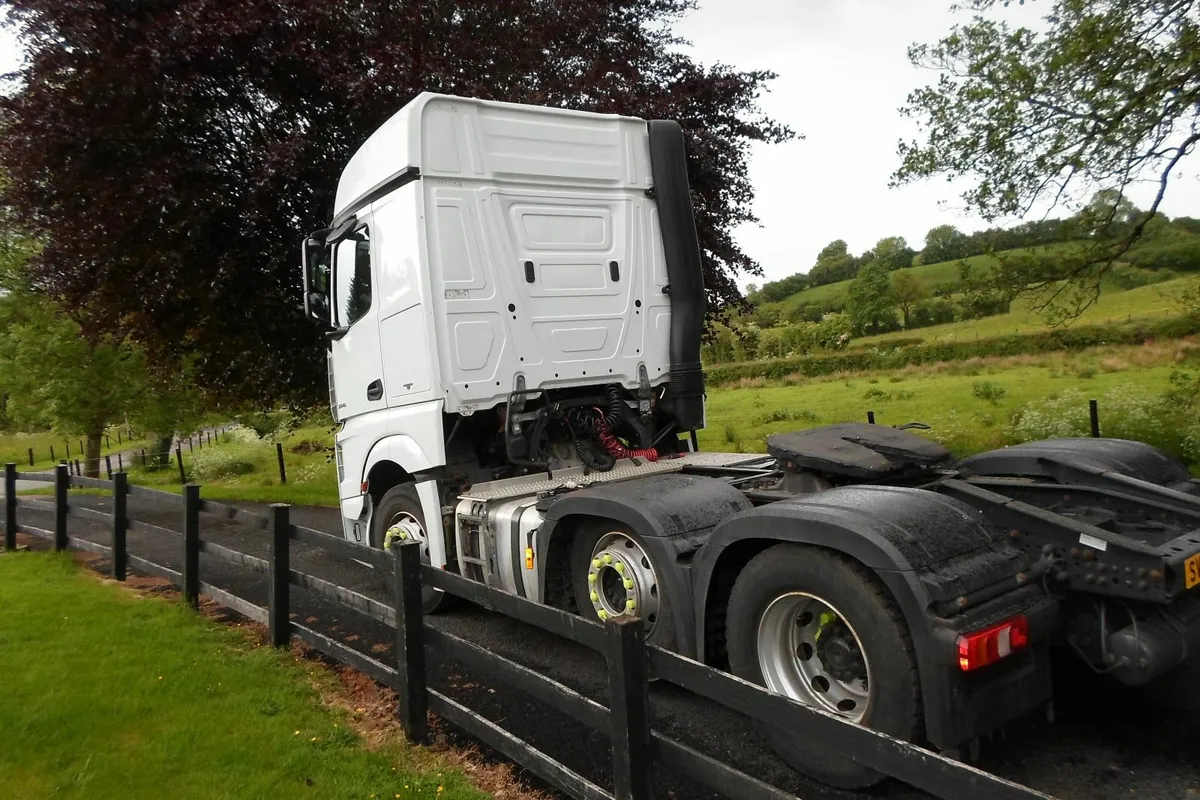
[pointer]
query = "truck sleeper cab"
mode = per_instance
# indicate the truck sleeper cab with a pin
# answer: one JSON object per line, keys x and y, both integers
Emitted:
{"x": 514, "y": 302}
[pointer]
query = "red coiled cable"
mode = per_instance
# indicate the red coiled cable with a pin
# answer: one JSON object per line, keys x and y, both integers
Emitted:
{"x": 613, "y": 445}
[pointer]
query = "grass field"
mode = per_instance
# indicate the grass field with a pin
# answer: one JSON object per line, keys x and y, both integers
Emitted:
{"x": 244, "y": 467}
{"x": 108, "y": 694}
{"x": 15, "y": 447}
{"x": 1145, "y": 302}
{"x": 970, "y": 405}
{"x": 932, "y": 276}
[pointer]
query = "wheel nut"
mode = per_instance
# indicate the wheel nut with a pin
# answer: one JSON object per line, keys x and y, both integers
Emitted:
{"x": 591, "y": 577}
{"x": 595, "y": 597}
{"x": 628, "y": 583}
{"x": 603, "y": 614}
{"x": 607, "y": 558}
{"x": 596, "y": 563}
{"x": 629, "y": 605}
{"x": 619, "y": 566}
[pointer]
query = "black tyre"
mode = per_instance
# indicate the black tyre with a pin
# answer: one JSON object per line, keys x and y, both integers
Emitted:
{"x": 400, "y": 507}
{"x": 614, "y": 575}
{"x": 821, "y": 629}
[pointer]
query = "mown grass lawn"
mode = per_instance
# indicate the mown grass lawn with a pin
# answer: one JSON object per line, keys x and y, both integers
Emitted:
{"x": 108, "y": 694}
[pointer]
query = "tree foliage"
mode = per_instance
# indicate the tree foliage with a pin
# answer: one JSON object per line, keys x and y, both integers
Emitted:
{"x": 872, "y": 302}
{"x": 1107, "y": 95}
{"x": 908, "y": 291}
{"x": 171, "y": 161}
{"x": 894, "y": 253}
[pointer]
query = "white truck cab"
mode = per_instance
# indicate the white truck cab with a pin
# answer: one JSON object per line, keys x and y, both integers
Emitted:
{"x": 482, "y": 252}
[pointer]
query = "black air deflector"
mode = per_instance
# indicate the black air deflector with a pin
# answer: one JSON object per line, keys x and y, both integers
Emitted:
{"x": 681, "y": 248}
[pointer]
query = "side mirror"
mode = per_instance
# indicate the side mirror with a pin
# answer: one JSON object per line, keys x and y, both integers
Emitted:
{"x": 315, "y": 255}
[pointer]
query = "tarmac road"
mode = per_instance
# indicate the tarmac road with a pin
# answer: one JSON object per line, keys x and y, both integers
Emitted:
{"x": 1108, "y": 741}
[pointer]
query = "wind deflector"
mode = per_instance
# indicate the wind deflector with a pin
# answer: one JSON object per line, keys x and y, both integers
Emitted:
{"x": 681, "y": 248}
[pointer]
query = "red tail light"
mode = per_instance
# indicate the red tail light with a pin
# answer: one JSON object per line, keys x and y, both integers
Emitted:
{"x": 989, "y": 645}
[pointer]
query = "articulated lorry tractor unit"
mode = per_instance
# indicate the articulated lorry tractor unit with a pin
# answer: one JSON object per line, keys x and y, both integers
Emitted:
{"x": 514, "y": 304}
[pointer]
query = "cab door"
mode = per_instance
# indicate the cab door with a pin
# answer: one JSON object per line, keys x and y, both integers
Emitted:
{"x": 357, "y": 358}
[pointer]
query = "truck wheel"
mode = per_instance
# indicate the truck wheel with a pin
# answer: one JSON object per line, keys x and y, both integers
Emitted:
{"x": 614, "y": 577}
{"x": 399, "y": 518}
{"x": 820, "y": 629}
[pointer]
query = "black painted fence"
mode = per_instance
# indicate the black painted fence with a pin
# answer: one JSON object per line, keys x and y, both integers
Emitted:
{"x": 637, "y": 749}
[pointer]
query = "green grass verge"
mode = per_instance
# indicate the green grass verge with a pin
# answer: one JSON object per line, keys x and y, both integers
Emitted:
{"x": 108, "y": 694}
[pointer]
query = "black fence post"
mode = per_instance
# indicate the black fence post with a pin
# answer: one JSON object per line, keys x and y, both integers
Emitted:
{"x": 118, "y": 436}
{"x": 201, "y": 441}
{"x": 68, "y": 445}
{"x": 279, "y": 457}
{"x": 51, "y": 452}
{"x": 143, "y": 458}
{"x": 190, "y": 448}
{"x": 107, "y": 441}
{"x": 10, "y": 506}
{"x": 1094, "y": 413}
{"x": 31, "y": 456}
{"x": 179, "y": 458}
{"x": 119, "y": 524}
{"x": 629, "y": 710}
{"x": 62, "y": 479}
{"x": 191, "y": 545}
{"x": 78, "y": 470}
{"x": 279, "y": 624}
{"x": 870, "y": 417}
{"x": 410, "y": 641}
{"x": 120, "y": 463}
{"x": 209, "y": 435}
{"x": 108, "y": 466}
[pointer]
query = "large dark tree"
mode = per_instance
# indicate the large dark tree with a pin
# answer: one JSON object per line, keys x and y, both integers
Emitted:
{"x": 1105, "y": 95}
{"x": 171, "y": 154}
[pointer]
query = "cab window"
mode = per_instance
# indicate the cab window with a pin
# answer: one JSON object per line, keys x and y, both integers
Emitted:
{"x": 352, "y": 269}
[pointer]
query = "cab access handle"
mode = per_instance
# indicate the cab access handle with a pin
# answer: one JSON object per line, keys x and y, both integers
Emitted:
{"x": 375, "y": 390}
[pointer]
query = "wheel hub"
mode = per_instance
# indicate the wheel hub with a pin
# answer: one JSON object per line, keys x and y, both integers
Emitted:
{"x": 809, "y": 652}
{"x": 404, "y": 527}
{"x": 839, "y": 653}
{"x": 621, "y": 581}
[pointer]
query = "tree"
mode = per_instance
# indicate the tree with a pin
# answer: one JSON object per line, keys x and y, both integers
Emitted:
{"x": 834, "y": 263}
{"x": 871, "y": 301}
{"x": 944, "y": 243}
{"x": 167, "y": 160}
{"x": 909, "y": 292}
{"x": 894, "y": 253}
{"x": 1108, "y": 94}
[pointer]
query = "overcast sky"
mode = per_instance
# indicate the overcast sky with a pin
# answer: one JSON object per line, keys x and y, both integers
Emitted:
{"x": 843, "y": 73}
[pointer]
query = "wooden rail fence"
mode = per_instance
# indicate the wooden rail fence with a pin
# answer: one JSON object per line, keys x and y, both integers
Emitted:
{"x": 637, "y": 749}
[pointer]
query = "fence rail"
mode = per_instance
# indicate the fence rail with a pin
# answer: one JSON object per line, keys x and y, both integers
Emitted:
{"x": 636, "y": 748}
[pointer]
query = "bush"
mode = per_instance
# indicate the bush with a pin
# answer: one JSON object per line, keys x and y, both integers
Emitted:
{"x": 1168, "y": 421}
{"x": 216, "y": 463}
{"x": 991, "y": 392}
{"x": 937, "y": 311}
{"x": 1181, "y": 254}
{"x": 1076, "y": 338}
{"x": 785, "y": 416}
